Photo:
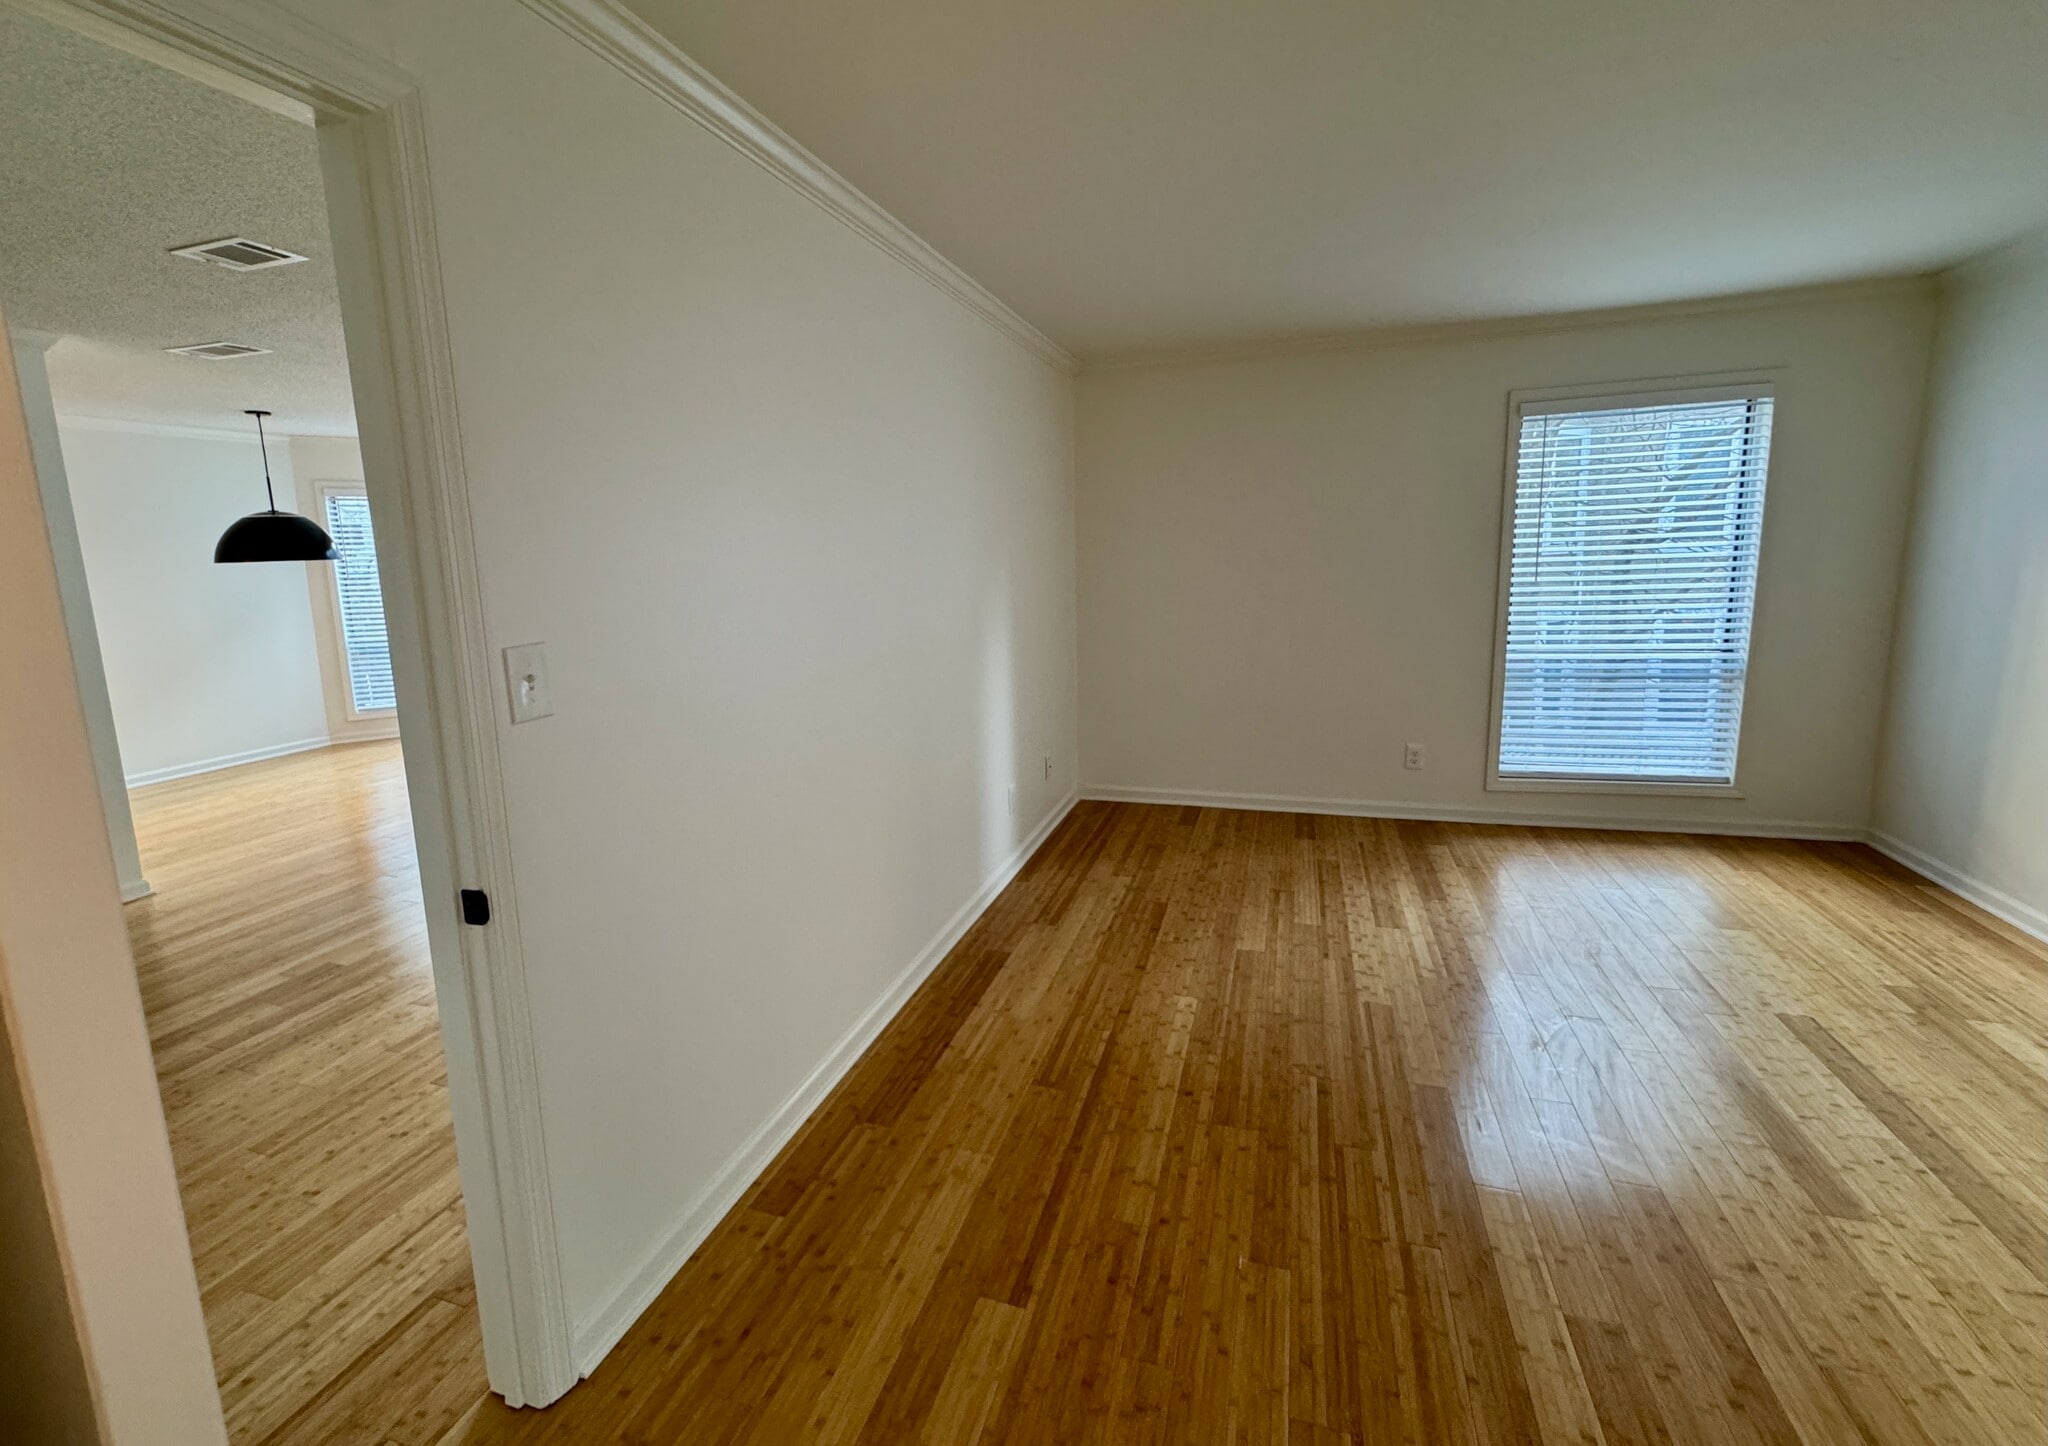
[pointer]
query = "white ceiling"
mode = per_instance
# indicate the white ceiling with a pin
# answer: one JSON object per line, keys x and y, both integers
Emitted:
{"x": 106, "y": 162}
{"x": 1131, "y": 174}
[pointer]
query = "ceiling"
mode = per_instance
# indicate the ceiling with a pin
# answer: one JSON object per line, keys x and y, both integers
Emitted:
{"x": 1136, "y": 174}
{"x": 1132, "y": 175}
{"x": 106, "y": 162}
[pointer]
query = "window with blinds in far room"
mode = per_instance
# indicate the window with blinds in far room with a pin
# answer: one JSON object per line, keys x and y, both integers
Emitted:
{"x": 365, "y": 647}
{"x": 1631, "y": 580}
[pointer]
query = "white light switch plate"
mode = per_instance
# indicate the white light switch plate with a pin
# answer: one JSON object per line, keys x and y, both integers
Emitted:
{"x": 526, "y": 682}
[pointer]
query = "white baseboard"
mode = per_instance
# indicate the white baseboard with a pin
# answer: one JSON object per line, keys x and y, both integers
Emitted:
{"x": 372, "y": 730}
{"x": 2021, "y": 915}
{"x": 226, "y": 760}
{"x": 595, "y": 1337}
{"x": 1423, "y": 813}
{"x": 136, "y": 888}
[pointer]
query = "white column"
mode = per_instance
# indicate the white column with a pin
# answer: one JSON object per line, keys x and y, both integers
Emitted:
{"x": 79, "y": 1047}
{"x": 34, "y": 380}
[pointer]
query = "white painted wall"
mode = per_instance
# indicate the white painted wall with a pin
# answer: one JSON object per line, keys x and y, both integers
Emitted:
{"x": 1963, "y": 786}
{"x": 78, "y": 1054}
{"x": 797, "y": 531}
{"x": 32, "y": 374}
{"x": 1288, "y": 564}
{"x": 46, "y": 1396}
{"x": 205, "y": 664}
{"x": 325, "y": 459}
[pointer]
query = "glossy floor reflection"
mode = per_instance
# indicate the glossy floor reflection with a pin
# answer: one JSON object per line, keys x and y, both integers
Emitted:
{"x": 283, "y": 963}
{"x": 1247, "y": 1127}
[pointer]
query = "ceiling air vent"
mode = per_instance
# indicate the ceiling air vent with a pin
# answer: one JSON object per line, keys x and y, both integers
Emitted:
{"x": 239, "y": 253}
{"x": 218, "y": 350}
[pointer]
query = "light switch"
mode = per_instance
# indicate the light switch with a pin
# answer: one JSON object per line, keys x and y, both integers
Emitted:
{"x": 526, "y": 682}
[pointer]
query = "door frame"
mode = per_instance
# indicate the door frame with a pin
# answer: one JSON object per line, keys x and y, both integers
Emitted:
{"x": 372, "y": 138}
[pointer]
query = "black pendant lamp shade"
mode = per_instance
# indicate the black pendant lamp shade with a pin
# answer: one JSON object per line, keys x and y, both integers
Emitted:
{"x": 273, "y": 536}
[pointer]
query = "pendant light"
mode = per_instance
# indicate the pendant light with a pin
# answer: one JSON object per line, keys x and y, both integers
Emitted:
{"x": 273, "y": 536}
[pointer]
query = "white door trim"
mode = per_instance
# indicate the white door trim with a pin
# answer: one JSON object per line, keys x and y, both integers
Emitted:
{"x": 346, "y": 723}
{"x": 373, "y": 157}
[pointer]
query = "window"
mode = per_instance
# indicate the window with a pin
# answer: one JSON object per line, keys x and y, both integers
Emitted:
{"x": 365, "y": 648}
{"x": 1631, "y": 576}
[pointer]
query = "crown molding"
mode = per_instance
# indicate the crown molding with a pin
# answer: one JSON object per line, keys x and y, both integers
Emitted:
{"x": 1440, "y": 332}
{"x": 238, "y": 43}
{"x": 193, "y": 430}
{"x": 96, "y": 24}
{"x": 617, "y": 35}
{"x": 72, "y": 422}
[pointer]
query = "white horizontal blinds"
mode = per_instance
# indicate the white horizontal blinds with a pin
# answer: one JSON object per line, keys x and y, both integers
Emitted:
{"x": 363, "y": 639}
{"x": 1631, "y": 585}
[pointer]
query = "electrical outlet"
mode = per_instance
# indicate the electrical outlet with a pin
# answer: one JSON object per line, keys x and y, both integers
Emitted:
{"x": 1013, "y": 802}
{"x": 1416, "y": 757}
{"x": 1048, "y": 765}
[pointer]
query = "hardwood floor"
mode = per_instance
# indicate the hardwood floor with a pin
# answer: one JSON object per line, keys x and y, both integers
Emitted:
{"x": 1263, "y": 1128}
{"x": 284, "y": 972}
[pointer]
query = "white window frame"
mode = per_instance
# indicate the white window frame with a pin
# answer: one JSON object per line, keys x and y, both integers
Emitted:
{"x": 1664, "y": 391}
{"x": 344, "y": 719}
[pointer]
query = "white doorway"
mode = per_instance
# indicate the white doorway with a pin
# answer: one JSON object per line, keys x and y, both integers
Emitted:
{"x": 370, "y": 146}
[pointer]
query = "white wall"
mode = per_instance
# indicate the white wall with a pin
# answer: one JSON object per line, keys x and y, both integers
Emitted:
{"x": 78, "y": 1053}
{"x": 46, "y": 1396}
{"x": 1288, "y": 564}
{"x": 796, "y": 528}
{"x": 32, "y": 373}
{"x": 324, "y": 459}
{"x": 205, "y": 664}
{"x": 1963, "y": 786}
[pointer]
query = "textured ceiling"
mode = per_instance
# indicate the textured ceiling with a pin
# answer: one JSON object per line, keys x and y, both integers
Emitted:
{"x": 1140, "y": 173}
{"x": 106, "y": 162}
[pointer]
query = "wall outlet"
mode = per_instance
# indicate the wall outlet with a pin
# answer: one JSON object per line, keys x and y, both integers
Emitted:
{"x": 1013, "y": 803}
{"x": 1415, "y": 757}
{"x": 1048, "y": 765}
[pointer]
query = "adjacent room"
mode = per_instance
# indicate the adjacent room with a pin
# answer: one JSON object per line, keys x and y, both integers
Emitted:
{"x": 1282, "y": 723}
{"x": 242, "y": 717}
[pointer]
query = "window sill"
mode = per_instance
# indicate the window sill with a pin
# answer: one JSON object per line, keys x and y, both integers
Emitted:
{"x": 1498, "y": 784}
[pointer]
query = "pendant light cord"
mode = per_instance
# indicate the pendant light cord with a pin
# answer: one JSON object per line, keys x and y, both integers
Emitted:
{"x": 264, "y": 447}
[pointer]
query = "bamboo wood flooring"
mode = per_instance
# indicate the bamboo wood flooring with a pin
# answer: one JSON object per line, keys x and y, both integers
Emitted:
{"x": 1237, "y": 1127}
{"x": 1217, "y": 1127}
{"x": 284, "y": 973}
